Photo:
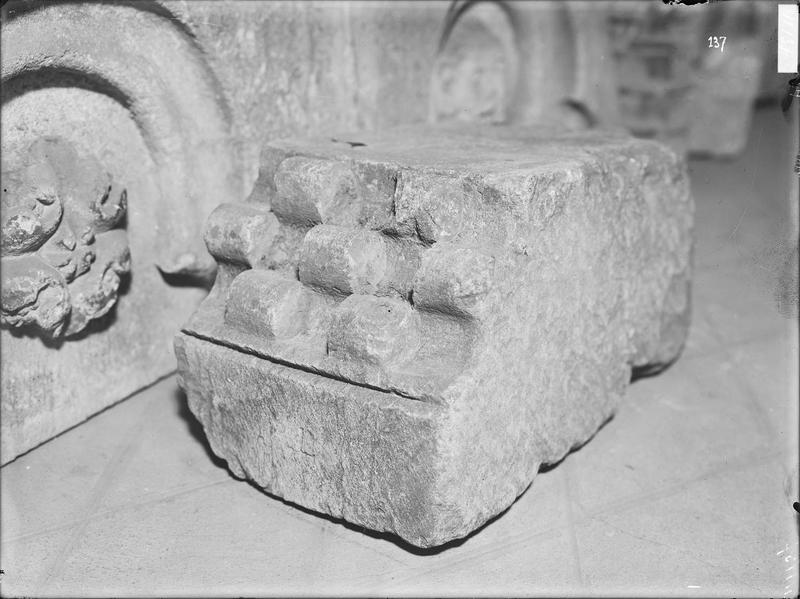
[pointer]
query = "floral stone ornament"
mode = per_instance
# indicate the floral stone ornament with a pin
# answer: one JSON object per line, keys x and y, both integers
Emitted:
{"x": 64, "y": 247}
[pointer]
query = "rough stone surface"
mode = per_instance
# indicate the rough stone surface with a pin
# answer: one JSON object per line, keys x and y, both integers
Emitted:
{"x": 62, "y": 253}
{"x": 288, "y": 68}
{"x": 96, "y": 99}
{"x": 308, "y": 68}
{"x": 405, "y": 326}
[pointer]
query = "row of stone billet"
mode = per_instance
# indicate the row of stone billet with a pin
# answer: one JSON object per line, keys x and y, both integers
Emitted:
{"x": 431, "y": 314}
{"x": 359, "y": 299}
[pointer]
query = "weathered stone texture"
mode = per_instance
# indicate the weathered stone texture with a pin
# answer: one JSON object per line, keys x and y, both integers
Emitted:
{"x": 295, "y": 68}
{"x": 62, "y": 251}
{"x": 470, "y": 310}
{"x": 131, "y": 106}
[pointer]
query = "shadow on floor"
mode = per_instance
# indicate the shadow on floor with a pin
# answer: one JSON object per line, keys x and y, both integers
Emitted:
{"x": 389, "y": 537}
{"x": 195, "y": 428}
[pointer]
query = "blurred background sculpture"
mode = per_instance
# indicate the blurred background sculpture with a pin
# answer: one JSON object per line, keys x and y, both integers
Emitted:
{"x": 405, "y": 326}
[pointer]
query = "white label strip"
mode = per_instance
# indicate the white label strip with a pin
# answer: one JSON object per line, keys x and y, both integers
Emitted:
{"x": 787, "y": 38}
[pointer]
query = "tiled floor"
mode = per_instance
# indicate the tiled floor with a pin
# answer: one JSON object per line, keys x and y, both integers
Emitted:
{"x": 688, "y": 491}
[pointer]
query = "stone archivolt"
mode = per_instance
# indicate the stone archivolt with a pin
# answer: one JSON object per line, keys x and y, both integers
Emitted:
{"x": 96, "y": 94}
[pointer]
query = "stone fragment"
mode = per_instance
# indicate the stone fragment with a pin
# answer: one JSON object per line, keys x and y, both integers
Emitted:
{"x": 550, "y": 267}
{"x": 353, "y": 260}
{"x": 265, "y": 303}
{"x": 241, "y": 233}
{"x": 300, "y": 198}
{"x": 379, "y": 330}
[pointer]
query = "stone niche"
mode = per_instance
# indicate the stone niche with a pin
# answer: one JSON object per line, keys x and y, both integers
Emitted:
{"x": 524, "y": 63}
{"x": 405, "y": 326}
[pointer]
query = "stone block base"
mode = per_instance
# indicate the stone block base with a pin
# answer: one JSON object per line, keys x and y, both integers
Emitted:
{"x": 405, "y": 326}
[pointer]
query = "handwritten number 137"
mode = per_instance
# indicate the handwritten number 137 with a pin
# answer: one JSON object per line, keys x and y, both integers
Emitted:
{"x": 717, "y": 42}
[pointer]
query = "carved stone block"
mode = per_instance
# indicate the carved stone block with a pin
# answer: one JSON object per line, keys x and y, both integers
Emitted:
{"x": 405, "y": 326}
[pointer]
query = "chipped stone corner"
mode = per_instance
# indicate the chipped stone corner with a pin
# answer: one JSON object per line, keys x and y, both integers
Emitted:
{"x": 406, "y": 356}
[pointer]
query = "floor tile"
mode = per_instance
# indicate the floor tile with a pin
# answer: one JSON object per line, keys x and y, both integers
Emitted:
{"x": 700, "y": 542}
{"x": 54, "y": 484}
{"x": 227, "y": 539}
{"x": 768, "y": 368}
{"x": 28, "y": 560}
{"x": 163, "y": 459}
{"x": 730, "y": 306}
{"x": 670, "y": 428}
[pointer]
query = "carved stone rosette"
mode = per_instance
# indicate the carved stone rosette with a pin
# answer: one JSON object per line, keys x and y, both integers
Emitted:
{"x": 64, "y": 248}
{"x": 103, "y": 102}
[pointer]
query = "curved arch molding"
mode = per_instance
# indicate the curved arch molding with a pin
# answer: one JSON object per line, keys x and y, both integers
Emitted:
{"x": 117, "y": 144}
{"x": 144, "y": 59}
